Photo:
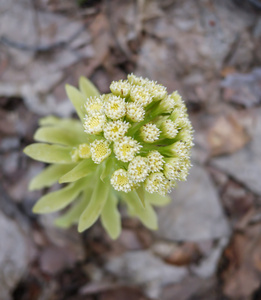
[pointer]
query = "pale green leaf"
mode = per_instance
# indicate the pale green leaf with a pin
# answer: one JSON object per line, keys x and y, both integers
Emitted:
{"x": 49, "y": 120}
{"x": 87, "y": 87}
{"x": 108, "y": 169}
{"x": 82, "y": 169}
{"x": 77, "y": 99}
{"x": 59, "y": 199}
{"x": 73, "y": 214}
{"x": 110, "y": 217}
{"x": 147, "y": 215}
{"x": 49, "y": 176}
{"x": 58, "y": 135}
{"x": 49, "y": 153}
{"x": 141, "y": 194}
{"x": 156, "y": 199}
{"x": 60, "y": 122}
{"x": 93, "y": 210}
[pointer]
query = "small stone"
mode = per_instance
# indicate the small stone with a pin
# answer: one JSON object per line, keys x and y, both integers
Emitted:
{"x": 145, "y": 269}
{"x": 195, "y": 212}
{"x": 13, "y": 256}
{"x": 245, "y": 165}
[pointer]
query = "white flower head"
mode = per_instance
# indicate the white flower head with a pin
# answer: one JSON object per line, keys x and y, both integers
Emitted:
{"x": 166, "y": 105}
{"x": 94, "y": 123}
{"x": 136, "y": 80}
{"x": 120, "y": 181}
{"x": 84, "y": 151}
{"x": 115, "y": 130}
{"x": 135, "y": 112}
{"x": 158, "y": 91}
{"x": 126, "y": 148}
{"x": 185, "y": 136}
{"x": 138, "y": 169}
{"x": 166, "y": 187}
{"x": 149, "y": 133}
{"x": 155, "y": 183}
{"x": 169, "y": 129}
{"x": 115, "y": 108}
{"x": 100, "y": 150}
{"x": 173, "y": 168}
{"x": 94, "y": 104}
{"x": 141, "y": 95}
{"x": 176, "y": 169}
{"x": 120, "y": 88}
{"x": 155, "y": 160}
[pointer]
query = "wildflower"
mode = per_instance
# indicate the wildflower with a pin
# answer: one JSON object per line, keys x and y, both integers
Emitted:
{"x": 155, "y": 160}
{"x": 166, "y": 105}
{"x": 173, "y": 168}
{"x": 135, "y": 112}
{"x": 115, "y": 130}
{"x": 131, "y": 144}
{"x": 155, "y": 183}
{"x": 94, "y": 104}
{"x": 158, "y": 91}
{"x": 135, "y": 80}
{"x": 94, "y": 123}
{"x": 149, "y": 133}
{"x": 100, "y": 150}
{"x": 141, "y": 96}
{"x": 115, "y": 108}
{"x": 126, "y": 149}
{"x": 177, "y": 149}
{"x": 121, "y": 181}
{"x": 138, "y": 169}
{"x": 169, "y": 129}
{"x": 120, "y": 88}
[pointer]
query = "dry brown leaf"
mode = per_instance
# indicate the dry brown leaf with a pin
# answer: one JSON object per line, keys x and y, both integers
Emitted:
{"x": 184, "y": 255}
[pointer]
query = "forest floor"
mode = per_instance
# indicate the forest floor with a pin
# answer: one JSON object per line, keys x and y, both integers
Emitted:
{"x": 208, "y": 245}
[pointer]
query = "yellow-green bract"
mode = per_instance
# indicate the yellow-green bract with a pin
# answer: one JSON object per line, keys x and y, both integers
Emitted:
{"x": 130, "y": 146}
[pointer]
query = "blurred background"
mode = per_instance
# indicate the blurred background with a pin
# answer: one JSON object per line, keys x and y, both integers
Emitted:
{"x": 208, "y": 245}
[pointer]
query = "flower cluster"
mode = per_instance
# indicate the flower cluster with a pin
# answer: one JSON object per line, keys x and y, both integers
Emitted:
{"x": 133, "y": 143}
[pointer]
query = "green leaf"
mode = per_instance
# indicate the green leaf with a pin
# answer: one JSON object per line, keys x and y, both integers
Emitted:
{"x": 141, "y": 194}
{"x": 60, "y": 122}
{"x": 87, "y": 87}
{"x": 77, "y": 99}
{"x": 49, "y": 120}
{"x": 93, "y": 210}
{"x": 83, "y": 169}
{"x": 58, "y": 135}
{"x": 59, "y": 199}
{"x": 157, "y": 199}
{"x": 49, "y": 176}
{"x": 147, "y": 215}
{"x": 108, "y": 168}
{"x": 73, "y": 214}
{"x": 110, "y": 217}
{"x": 49, "y": 153}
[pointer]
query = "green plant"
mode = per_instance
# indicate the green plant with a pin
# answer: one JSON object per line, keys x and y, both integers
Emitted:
{"x": 131, "y": 145}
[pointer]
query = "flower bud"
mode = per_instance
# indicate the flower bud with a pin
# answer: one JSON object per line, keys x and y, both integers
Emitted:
{"x": 149, "y": 133}
{"x": 115, "y": 108}
{"x": 120, "y": 181}
{"x": 126, "y": 149}
{"x": 100, "y": 150}
{"x": 138, "y": 169}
